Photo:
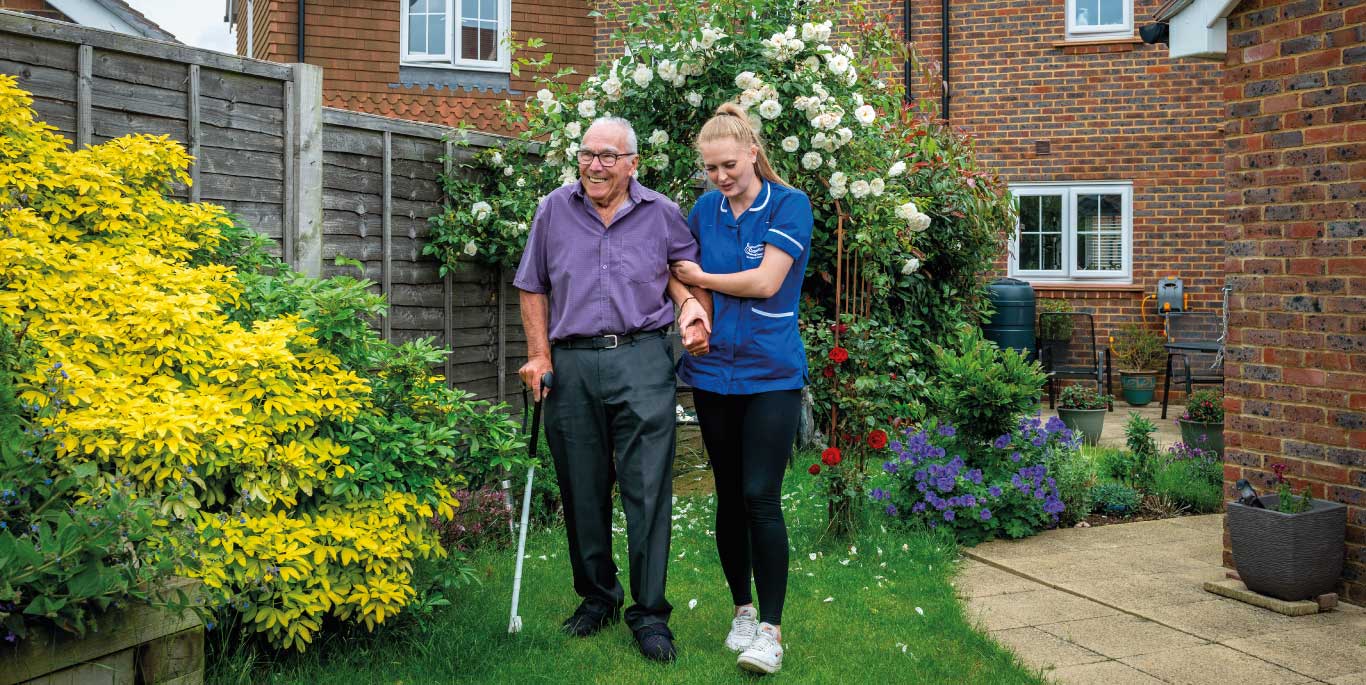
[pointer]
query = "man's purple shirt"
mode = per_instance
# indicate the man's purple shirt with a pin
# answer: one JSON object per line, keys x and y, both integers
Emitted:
{"x": 604, "y": 280}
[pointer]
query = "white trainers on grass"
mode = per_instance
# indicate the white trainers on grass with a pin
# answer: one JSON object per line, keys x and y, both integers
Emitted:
{"x": 765, "y": 653}
{"x": 742, "y": 629}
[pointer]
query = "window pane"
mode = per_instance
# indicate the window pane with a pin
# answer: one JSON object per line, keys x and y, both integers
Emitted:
{"x": 1052, "y": 213}
{"x": 1087, "y": 12}
{"x": 417, "y": 5}
{"x": 1100, "y": 251}
{"x": 488, "y": 10}
{"x": 417, "y": 34}
{"x": 469, "y": 9}
{"x": 488, "y": 42}
{"x": 1100, "y": 212}
{"x": 1052, "y": 251}
{"x": 1029, "y": 253}
{"x": 1029, "y": 214}
{"x": 469, "y": 41}
{"x": 1111, "y": 12}
{"x": 436, "y": 34}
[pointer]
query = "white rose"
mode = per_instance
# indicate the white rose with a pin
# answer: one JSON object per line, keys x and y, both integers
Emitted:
{"x": 496, "y": 158}
{"x": 819, "y": 141}
{"x": 820, "y": 90}
{"x": 865, "y": 114}
{"x": 838, "y": 179}
{"x": 859, "y": 189}
{"x": 823, "y": 31}
{"x": 694, "y": 98}
{"x": 667, "y": 70}
{"x": 573, "y": 129}
{"x": 471, "y": 249}
{"x": 920, "y": 223}
{"x": 587, "y": 109}
{"x": 658, "y": 137}
{"x": 830, "y": 162}
{"x": 745, "y": 80}
{"x": 661, "y": 161}
{"x": 480, "y": 210}
{"x": 808, "y": 31}
{"x": 521, "y": 182}
{"x": 906, "y": 212}
{"x": 678, "y": 81}
{"x": 851, "y": 77}
{"x": 571, "y": 150}
{"x": 811, "y": 160}
{"x": 877, "y": 185}
{"x": 812, "y": 63}
{"x": 748, "y": 98}
{"x": 508, "y": 171}
{"x": 568, "y": 175}
{"x": 770, "y": 109}
{"x": 858, "y": 99}
{"x": 791, "y": 143}
{"x": 911, "y": 266}
{"x": 897, "y": 169}
{"x": 642, "y": 75}
{"x": 845, "y": 135}
{"x": 710, "y": 36}
{"x": 838, "y": 65}
{"x": 838, "y": 192}
{"x": 795, "y": 46}
{"x": 612, "y": 88}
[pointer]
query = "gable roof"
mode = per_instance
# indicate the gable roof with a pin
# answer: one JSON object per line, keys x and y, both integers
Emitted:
{"x": 114, "y": 15}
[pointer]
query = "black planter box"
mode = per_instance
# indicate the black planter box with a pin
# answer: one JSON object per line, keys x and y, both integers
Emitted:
{"x": 1288, "y": 556}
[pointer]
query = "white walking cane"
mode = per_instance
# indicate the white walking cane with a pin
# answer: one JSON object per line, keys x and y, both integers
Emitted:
{"x": 515, "y": 624}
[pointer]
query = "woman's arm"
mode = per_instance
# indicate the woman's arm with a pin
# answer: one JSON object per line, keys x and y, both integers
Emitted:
{"x": 760, "y": 282}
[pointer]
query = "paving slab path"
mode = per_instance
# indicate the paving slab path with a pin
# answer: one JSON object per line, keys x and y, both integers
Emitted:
{"x": 1123, "y": 604}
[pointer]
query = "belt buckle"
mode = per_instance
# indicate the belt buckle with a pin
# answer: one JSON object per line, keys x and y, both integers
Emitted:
{"x": 615, "y": 341}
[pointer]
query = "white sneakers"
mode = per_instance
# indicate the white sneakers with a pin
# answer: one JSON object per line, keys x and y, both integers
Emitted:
{"x": 760, "y": 651}
{"x": 742, "y": 629}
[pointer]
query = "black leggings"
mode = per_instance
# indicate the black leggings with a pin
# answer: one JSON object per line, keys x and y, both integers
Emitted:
{"x": 749, "y": 441}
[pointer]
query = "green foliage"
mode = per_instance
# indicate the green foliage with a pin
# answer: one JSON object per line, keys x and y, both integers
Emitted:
{"x": 1138, "y": 349}
{"x": 1082, "y": 396}
{"x": 1191, "y": 478}
{"x": 877, "y": 385}
{"x": 1054, "y": 329}
{"x": 1288, "y": 502}
{"x": 1205, "y": 406}
{"x": 980, "y": 388}
{"x": 1116, "y": 499}
{"x": 1075, "y": 478}
{"x": 1134, "y": 466}
{"x": 73, "y": 542}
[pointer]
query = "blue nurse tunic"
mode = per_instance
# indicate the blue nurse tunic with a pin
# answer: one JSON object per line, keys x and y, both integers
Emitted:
{"x": 755, "y": 345}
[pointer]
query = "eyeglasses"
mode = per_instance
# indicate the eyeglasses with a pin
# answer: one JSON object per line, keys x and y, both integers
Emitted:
{"x": 608, "y": 159}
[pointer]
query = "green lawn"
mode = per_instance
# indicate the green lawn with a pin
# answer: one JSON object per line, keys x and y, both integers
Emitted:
{"x": 883, "y": 611}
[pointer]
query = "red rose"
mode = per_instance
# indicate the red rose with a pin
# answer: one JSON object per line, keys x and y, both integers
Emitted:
{"x": 839, "y": 355}
{"x": 831, "y": 456}
{"x": 815, "y": 470}
{"x": 893, "y": 376}
{"x": 828, "y": 372}
{"x": 841, "y": 329}
{"x": 877, "y": 439}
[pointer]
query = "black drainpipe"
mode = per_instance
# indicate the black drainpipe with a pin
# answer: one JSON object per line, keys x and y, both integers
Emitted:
{"x": 906, "y": 32}
{"x": 301, "y": 30}
{"x": 944, "y": 56}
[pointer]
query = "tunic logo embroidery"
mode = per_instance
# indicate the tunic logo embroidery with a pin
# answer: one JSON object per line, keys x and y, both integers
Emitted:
{"x": 754, "y": 250}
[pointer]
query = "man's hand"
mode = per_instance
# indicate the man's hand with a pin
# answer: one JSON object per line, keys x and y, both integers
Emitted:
{"x": 687, "y": 272}
{"x": 532, "y": 372}
{"x": 691, "y": 313}
{"x": 696, "y": 339}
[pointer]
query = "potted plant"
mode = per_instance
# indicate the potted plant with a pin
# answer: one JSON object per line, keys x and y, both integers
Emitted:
{"x": 1289, "y": 546}
{"x": 1083, "y": 409}
{"x": 1139, "y": 352}
{"x": 1202, "y": 424}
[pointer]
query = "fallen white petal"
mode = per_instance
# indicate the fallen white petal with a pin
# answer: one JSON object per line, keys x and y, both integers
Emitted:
{"x": 812, "y": 556}
{"x": 828, "y": 600}
{"x": 692, "y": 604}
{"x": 920, "y": 611}
{"x": 844, "y": 562}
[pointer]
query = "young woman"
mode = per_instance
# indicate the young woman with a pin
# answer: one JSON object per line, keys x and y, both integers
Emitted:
{"x": 755, "y": 234}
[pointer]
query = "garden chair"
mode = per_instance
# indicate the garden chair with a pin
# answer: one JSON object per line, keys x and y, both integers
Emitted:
{"x": 1195, "y": 343}
{"x": 1066, "y": 347}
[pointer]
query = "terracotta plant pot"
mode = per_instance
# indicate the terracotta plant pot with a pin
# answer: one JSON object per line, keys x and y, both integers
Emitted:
{"x": 1288, "y": 556}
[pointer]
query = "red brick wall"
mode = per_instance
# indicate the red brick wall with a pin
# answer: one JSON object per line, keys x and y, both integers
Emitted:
{"x": 357, "y": 44}
{"x": 1295, "y": 90}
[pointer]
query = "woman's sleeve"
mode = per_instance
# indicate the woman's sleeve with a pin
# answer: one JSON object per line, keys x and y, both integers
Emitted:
{"x": 791, "y": 227}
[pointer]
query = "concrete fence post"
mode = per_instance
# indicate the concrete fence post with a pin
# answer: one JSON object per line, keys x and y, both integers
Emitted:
{"x": 305, "y": 222}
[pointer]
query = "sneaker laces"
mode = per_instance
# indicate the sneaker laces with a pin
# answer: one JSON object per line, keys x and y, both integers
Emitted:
{"x": 744, "y": 626}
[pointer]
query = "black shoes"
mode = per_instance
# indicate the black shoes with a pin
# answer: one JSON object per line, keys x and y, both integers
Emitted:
{"x": 588, "y": 620}
{"x": 656, "y": 642}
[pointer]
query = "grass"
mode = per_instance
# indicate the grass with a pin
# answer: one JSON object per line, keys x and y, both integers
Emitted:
{"x": 876, "y": 609}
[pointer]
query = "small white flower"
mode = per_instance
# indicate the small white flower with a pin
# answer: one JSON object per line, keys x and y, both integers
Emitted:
{"x": 858, "y": 99}
{"x": 811, "y": 160}
{"x": 795, "y": 46}
{"x": 642, "y": 75}
{"x": 812, "y": 556}
{"x": 745, "y": 80}
{"x": 808, "y": 31}
{"x": 770, "y": 109}
{"x": 480, "y": 210}
{"x": 853, "y": 550}
{"x": 569, "y": 176}
{"x": 820, "y": 141}
{"x": 920, "y": 611}
{"x": 659, "y": 137}
{"x": 678, "y": 81}
{"x": 692, "y": 604}
{"x": 911, "y": 266}
{"x": 838, "y": 64}
{"x": 667, "y": 69}
{"x": 897, "y": 169}
{"x": 521, "y": 182}
{"x": 845, "y": 135}
{"x": 851, "y": 76}
{"x": 906, "y": 212}
{"x": 496, "y": 158}
{"x": 838, "y": 179}
{"x": 574, "y": 129}
{"x": 710, "y": 36}
{"x": 905, "y": 547}
{"x": 844, "y": 562}
{"x": 865, "y": 115}
{"x": 791, "y": 144}
{"x": 877, "y": 185}
{"x": 661, "y": 161}
{"x": 508, "y": 171}
{"x": 521, "y": 225}
{"x": 859, "y": 189}
{"x": 838, "y": 192}
{"x": 544, "y": 95}
{"x": 471, "y": 249}
{"x": 694, "y": 98}
{"x": 612, "y": 88}
{"x": 812, "y": 63}
{"x": 921, "y": 222}
{"x": 748, "y": 98}
{"x": 587, "y": 109}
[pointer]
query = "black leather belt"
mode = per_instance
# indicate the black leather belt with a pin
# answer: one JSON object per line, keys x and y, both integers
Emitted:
{"x": 607, "y": 342}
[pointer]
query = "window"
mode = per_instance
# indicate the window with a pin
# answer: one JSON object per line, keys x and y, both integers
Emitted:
{"x": 1092, "y": 19}
{"x": 468, "y": 34}
{"x": 1073, "y": 232}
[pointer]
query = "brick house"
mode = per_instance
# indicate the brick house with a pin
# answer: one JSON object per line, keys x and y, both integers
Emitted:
{"x": 110, "y": 15}
{"x": 405, "y": 59}
{"x": 1294, "y": 102}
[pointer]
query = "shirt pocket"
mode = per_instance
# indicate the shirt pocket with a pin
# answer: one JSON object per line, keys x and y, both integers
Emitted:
{"x": 775, "y": 346}
{"x": 642, "y": 260}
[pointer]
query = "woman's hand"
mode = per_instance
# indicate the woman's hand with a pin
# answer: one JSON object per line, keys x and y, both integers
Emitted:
{"x": 690, "y": 273}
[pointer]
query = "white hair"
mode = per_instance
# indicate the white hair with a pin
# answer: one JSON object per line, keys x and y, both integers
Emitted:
{"x": 618, "y": 121}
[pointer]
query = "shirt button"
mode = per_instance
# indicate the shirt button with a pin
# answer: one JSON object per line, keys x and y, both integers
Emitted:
{"x": 604, "y": 266}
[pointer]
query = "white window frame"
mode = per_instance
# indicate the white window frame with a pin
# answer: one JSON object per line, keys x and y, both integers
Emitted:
{"x": 1069, "y": 192}
{"x": 451, "y": 58}
{"x": 1100, "y": 31}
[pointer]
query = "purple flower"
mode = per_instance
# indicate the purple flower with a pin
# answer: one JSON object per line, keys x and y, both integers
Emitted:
{"x": 969, "y": 501}
{"x": 890, "y": 467}
{"x": 945, "y": 484}
{"x": 918, "y": 508}
{"x": 1002, "y": 442}
{"x": 947, "y": 431}
{"x": 1054, "y": 424}
{"x": 1039, "y": 440}
{"x": 994, "y": 491}
{"x": 949, "y": 515}
{"x": 891, "y": 510}
{"x": 985, "y": 514}
{"x": 11, "y": 637}
{"x": 877, "y": 494}
{"x": 1015, "y": 456}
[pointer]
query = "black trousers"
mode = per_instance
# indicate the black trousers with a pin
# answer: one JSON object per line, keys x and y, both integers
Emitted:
{"x": 610, "y": 418}
{"x": 749, "y": 439}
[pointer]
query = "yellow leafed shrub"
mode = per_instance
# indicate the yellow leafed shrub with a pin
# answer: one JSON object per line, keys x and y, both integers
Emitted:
{"x": 212, "y": 393}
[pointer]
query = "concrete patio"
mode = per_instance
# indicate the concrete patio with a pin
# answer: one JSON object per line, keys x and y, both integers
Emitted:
{"x": 1123, "y": 604}
{"x": 1113, "y": 433}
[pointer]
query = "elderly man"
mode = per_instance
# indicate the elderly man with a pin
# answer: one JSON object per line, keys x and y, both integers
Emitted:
{"x": 595, "y": 300}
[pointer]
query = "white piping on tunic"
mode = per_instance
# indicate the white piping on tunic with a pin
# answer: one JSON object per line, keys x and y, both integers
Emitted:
{"x": 800, "y": 247}
{"x": 771, "y": 315}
